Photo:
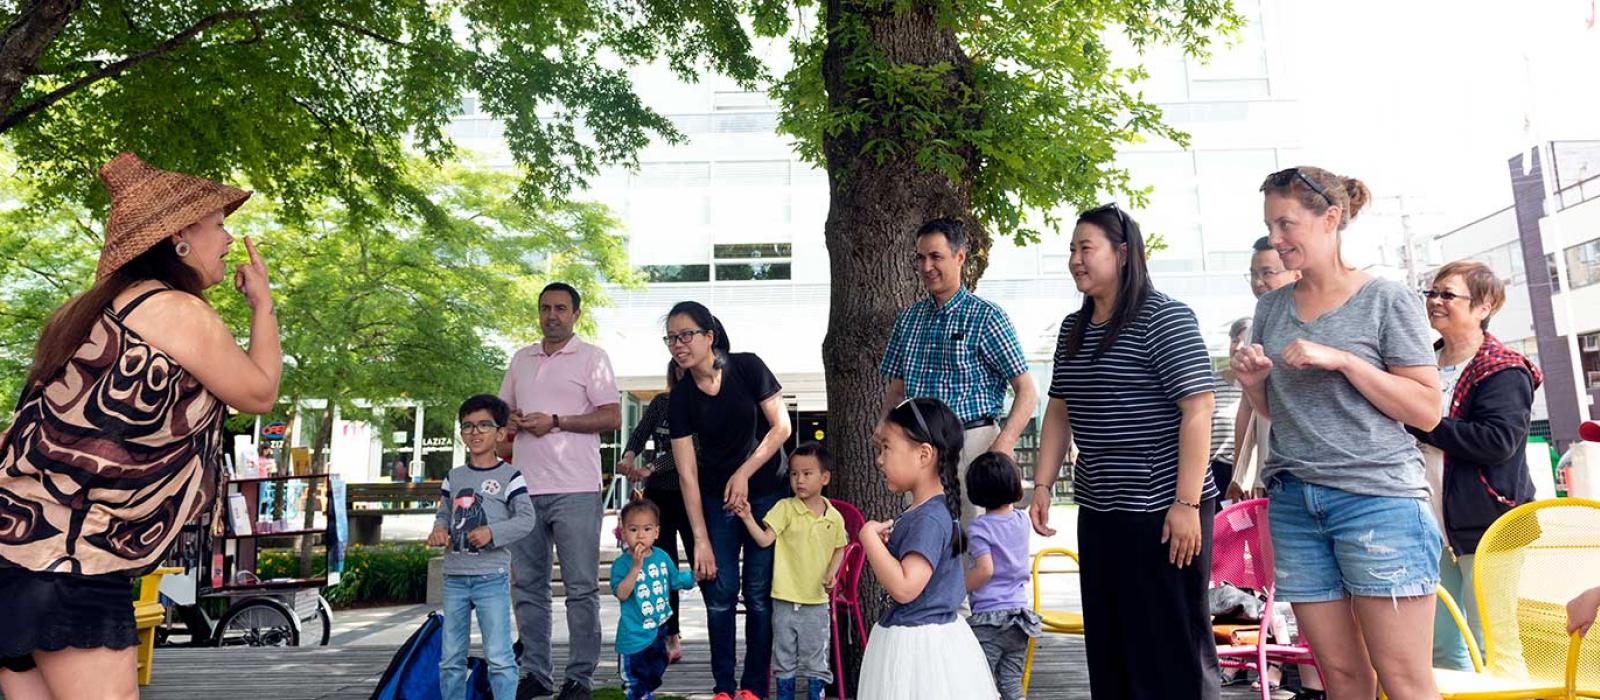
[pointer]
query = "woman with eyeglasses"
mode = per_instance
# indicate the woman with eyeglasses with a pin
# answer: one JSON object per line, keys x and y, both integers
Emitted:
{"x": 734, "y": 405}
{"x": 1132, "y": 387}
{"x": 1340, "y": 361}
{"x": 1477, "y": 456}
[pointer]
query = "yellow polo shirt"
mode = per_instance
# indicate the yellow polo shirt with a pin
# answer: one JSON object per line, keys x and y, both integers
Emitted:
{"x": 806, "y": 543}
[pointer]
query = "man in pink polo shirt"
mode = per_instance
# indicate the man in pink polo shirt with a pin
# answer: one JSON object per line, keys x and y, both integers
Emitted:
{"x": 562, "y": 395}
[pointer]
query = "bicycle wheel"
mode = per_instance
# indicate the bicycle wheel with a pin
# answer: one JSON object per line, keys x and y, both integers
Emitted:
{"x": 258, "y": 622}
{"x": 318, "y": 628}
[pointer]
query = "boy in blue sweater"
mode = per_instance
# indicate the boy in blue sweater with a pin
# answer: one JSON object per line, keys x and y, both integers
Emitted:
{"x": 483, "y": 508}
{"x": 643, "y": 578}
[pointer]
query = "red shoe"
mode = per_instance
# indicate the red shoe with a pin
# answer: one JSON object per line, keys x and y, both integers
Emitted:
{"x": 722, "y": 696}
{"x": 745, "y": 695}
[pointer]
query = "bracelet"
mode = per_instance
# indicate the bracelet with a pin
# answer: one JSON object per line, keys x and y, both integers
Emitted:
{"x": 1182, "y": 502}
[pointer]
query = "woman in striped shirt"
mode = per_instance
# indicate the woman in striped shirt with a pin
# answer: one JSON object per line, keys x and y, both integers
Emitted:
{"x": 1132, "y": 385}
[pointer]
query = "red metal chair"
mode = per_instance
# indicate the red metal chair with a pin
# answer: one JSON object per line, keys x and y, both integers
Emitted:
{"x": 846, "y": 595}
{"x": 1241, "y": 554}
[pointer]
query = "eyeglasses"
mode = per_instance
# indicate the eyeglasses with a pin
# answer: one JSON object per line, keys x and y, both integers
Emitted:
{"x": 1446, "y": 297}
{"x": 927, "y": 435}
{"x": 482, "y": 426}
{"x": 682, "y": 337}
{"x": 1282, "y": 178}
{"x": 1262, "y": 273}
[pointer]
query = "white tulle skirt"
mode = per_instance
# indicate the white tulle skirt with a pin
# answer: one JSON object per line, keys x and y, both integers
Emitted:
{"x": 927, "y": 662}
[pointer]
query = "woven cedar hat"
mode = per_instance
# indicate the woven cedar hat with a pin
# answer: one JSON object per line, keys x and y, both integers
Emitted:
{"x": 149, "y": 204}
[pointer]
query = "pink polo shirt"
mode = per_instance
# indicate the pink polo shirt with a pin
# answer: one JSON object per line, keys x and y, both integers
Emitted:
{"x": 574, "y": 381}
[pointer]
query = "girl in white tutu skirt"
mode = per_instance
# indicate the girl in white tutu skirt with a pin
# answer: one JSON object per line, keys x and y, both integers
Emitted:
{"x": 920, "y": 649}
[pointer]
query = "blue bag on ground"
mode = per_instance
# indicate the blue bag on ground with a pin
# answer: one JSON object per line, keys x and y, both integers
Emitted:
{"x": 413, "y": 673}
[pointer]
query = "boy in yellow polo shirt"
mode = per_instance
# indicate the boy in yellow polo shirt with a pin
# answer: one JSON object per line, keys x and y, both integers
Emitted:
{"x": 810, "y": 536}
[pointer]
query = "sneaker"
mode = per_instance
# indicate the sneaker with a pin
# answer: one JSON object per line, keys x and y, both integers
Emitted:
{"x": 573, "y": 690}
{"x": 528, "y": 689}
{"x": 722, "y": 696}
{"x": 745, "y": 695}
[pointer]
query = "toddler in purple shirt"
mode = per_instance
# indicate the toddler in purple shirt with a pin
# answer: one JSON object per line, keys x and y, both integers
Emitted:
{"x": 997, "y": 579}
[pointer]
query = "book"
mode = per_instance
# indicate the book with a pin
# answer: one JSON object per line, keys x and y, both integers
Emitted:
{"x": 239, "y": 515}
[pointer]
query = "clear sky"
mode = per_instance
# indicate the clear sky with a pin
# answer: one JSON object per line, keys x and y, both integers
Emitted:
{"x": 1429, "y": 98}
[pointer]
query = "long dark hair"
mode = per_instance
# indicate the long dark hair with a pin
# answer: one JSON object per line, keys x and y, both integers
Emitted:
{"x": 69, "y": 324}
{"x": 706, "y": 321}
{"x": 943, "y": 431}
{"x": 1133, "y": 284}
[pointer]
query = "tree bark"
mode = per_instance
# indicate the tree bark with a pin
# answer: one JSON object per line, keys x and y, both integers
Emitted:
{"x": 874, "y": 211}
{"x": 25, "y": 40}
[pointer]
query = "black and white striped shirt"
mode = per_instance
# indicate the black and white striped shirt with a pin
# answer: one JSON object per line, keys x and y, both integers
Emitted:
{"x": 1123, "y": 406}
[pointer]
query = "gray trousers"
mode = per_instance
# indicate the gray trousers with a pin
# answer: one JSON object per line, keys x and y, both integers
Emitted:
{"x": 1007, "y": 649}
{"x": 800, "y": 635}
{"x": 569, "y": 522}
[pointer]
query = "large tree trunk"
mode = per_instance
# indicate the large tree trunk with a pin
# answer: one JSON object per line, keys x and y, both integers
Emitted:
{"x": 25, "y": 40}
{"x": 874, "y": 210}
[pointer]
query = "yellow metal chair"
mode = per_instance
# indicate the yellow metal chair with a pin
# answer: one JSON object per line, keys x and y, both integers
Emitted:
{"x": 1529, "y": 564}
{"x": 148, "y": 614}
{"x": 1053, "y": 621}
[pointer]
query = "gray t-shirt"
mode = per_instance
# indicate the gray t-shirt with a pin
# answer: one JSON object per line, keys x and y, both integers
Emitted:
{"x": 474, "y": 497}
{"x": 1323, "y": 430}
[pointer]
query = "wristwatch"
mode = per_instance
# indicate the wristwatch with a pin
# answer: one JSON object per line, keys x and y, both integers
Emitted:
{"x": 555, "y": 421}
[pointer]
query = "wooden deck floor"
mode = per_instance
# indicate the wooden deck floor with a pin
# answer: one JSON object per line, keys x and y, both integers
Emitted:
{"x": 350, "y": 673}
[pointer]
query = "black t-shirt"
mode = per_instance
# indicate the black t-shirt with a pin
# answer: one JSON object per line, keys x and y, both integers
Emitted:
{"x": 729, "y": 425}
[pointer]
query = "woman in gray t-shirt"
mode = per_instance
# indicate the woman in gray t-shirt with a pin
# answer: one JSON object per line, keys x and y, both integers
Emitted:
{"x": 1341, "y": 362}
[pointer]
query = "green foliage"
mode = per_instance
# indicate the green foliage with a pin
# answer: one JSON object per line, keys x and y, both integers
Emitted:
{"x": 382, "y": 574}
{"x": 1044, "y": 111}
{"x": 409, "y": 300}
{"x": 306, "y": 98}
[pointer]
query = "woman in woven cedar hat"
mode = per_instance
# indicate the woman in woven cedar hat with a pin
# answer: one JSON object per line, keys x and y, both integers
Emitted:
{"x": 117, "y": 439}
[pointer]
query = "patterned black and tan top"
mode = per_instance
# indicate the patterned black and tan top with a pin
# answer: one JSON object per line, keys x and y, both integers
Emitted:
{"x": 105, "y": 463}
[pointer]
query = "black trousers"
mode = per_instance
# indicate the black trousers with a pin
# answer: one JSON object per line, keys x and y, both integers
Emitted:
{"x": 1147, "y": 624}
{"x": 674, "y": 525}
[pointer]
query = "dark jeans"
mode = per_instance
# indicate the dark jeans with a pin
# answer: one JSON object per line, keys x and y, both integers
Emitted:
{"x": 674, "y": 526}
{"x": 728, "y": 539}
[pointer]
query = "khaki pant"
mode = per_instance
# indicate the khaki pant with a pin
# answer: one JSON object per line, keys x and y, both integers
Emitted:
{"x": 974, "y": 442}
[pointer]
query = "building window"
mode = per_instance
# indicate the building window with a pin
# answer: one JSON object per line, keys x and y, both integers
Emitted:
{"x": 743, "y": 262}
{"x": 1589, "y": 354}
{"x": 1555, "y": 273}
{"x": 677, "y": 273}
{"x": 1583, "y": 264}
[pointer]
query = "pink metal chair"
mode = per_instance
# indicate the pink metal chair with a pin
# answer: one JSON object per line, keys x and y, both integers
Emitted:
{"x": 1241, "y": 554}
{"x": 846, "y": 596}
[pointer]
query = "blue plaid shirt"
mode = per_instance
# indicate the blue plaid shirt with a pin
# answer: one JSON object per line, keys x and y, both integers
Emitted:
{"x": 964, "y": 353}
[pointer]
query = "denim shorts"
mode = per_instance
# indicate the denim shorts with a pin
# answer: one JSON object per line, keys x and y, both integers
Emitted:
{"x": 1329, "y": 544}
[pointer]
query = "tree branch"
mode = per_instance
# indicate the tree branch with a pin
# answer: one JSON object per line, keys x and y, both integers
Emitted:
{"x": 113, "y": 70}
{"x": 25, "y": 40}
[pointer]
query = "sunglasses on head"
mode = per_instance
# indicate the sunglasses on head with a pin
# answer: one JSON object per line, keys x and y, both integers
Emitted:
{"x": 1282, "y": 178}
{"x": 1122, "y": 217}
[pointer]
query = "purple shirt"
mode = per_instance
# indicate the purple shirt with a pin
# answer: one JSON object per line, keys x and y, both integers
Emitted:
{"x": 1004, "y": 538}
{"x": 576, "y": 380}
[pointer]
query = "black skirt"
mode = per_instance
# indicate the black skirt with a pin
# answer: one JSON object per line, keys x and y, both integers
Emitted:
{"x": 54, "y": 611}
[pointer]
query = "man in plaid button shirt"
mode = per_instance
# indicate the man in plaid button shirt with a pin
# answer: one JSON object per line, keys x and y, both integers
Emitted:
{"x": 960, "y": 349}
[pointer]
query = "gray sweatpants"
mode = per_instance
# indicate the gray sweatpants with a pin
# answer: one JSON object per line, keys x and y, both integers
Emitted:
{"x": 1007, "y": 649}
{"x": 800, "y": 636}
{"x": 569, "y": 522}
